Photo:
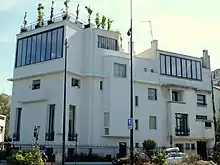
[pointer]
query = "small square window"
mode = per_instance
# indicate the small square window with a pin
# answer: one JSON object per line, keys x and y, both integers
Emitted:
{"x": 201, "y": 100}
{"x": 119, "y": 70}
{"x": 106, "y": 131}
{"x": 75, "y": 82}
{"x": 35, "y": 84}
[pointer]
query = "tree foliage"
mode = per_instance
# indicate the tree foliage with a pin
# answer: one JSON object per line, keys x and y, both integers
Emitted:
{"x": 5, "y": 110}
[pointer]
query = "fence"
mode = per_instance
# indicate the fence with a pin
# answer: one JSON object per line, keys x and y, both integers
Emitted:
{"x": 89, "y": 153}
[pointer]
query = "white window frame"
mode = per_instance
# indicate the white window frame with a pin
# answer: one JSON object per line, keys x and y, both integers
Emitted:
{"x": 106, "y": 123}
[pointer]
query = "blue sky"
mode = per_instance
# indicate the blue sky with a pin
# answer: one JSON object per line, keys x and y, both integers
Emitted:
{"x": 186, "y": 27}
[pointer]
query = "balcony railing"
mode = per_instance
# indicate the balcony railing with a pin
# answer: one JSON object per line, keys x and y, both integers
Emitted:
{"x": 16, "y": 137}
{"x": 72, "y": 136}
{"x": 49, "y": 136}
{"x": 57, "y": 18}
{"x": 182, "y": 132}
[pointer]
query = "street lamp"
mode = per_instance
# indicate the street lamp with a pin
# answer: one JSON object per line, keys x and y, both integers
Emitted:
{"x": 64, "y": 103}
{"x": 129, "y": 33}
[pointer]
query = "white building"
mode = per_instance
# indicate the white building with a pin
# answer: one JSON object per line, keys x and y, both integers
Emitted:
{"x": 172, "y": 92}
{"x": 216, "y": 89}
{"x": 2, "y": 127}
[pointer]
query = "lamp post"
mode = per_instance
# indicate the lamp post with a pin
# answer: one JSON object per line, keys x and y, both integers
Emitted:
{"x": 131, "y": 89}
{"x": 64, "y": 104}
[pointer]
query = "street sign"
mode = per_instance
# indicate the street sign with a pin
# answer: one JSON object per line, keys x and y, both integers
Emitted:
{"x": 130, "y": 123}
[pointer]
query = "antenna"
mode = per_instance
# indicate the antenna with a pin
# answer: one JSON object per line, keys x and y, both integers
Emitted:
{"x": 151, "y": 29}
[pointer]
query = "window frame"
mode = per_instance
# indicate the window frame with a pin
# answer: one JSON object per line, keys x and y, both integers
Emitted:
{"x": 155, "y": 120}
{"x": 203, "y": 100}
{"x": 32, "y": 56}
{"x": 120, "y": 66}
{"x": 184, "y": 62}
{"x": 155, "y": 94}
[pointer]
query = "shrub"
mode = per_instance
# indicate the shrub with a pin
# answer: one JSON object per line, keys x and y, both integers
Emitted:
{"x": 159, "y": 158}
{"x": 33, "y": 157}
{"x": 149, "y": 146}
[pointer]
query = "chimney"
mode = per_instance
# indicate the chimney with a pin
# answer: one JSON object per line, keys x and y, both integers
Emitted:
{"x": 154, "y": 44}
{"x": 205, "y": 59}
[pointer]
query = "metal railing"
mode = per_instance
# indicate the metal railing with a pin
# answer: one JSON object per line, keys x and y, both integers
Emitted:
{"x": 57, "y": 18}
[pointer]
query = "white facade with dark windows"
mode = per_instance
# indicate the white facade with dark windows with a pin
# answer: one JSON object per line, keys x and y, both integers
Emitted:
{"x": 172, "y": 92}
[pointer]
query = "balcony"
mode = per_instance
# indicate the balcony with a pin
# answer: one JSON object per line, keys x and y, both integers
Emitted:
{"x": 72, "y": 136}
{"x": 16, "y": 137}
{"x": 49, "y": 136}
{"x": 182, "y": 132}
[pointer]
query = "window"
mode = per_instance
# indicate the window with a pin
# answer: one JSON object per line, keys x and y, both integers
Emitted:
{"x": 168, "y": 65}
{"x": 50, "y": 125}
{"x": 101, "y": 85}
{"x": 201, "y": 117}
{"x": 152, "y": 122}
{"x": 119, "y": 70}
{"x": 152, "y": 94}
{"x": 136, "y": 101}
{"x": 162, "y": 65}
{"x": 75, "y": 82}
{"x": 173, "y": 65}
{"x": 201, "y": 100}
{"x": 208, "y": 124}
{"x": 187, "y": 146}
{"x": 39, "y": 47}
{"x": 106, "y": 123}
{"x": 136, "y": 124}
{"x": 107, "y": 43}
{"x": 179, "y": 67}
{"x": 182, "y": 125}
{"x": 16, "y": 135}
{"x": 177, "y": 95}
{"x": 72, "y": 120}
{"x": 35, "y": 84}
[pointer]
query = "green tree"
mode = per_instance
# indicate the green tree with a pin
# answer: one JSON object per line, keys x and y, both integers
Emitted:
{"x": 5, "y": 110}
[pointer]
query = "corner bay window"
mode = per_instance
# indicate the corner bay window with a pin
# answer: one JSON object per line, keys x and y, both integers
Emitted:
{"x": 40, "y": 47}
{"x": 180, "y": 67}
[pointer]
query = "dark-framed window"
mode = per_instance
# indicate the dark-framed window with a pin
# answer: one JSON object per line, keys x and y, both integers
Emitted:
{"x": 182, "y": 125}
{"x": 201, "y": 100}
{"x": 180, "y": 67}
{"x": 40, "y": 47}
{"x": 50, "y": 123}
{"x": 136, "y": 101}
{"x": 107, "y": 43}
{"x": 208, "y": 124}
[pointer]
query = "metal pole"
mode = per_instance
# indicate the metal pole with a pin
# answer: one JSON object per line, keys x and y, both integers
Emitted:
{"x": 64, "y": 105}
{"x": 131, "y": 94}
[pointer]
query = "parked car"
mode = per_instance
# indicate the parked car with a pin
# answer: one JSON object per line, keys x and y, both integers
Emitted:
{"x": 174, "y": 156}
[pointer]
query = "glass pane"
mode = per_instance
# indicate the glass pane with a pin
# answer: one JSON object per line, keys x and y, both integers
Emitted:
{"x": 33, "y": 49}
{"x": 28, "y": 57}
{"x": 198, "y": 69}
{"x": 54, "y": 45}
{"x": 193, "y": 69}
{"x": 178, "y": 63}
{"x": 162, "y": 64}
{"x": 48, "y": 49}
{"x": 60, "y": 43}
{"x": 183, "y": 67}
{"x": 188, "y": 65}
{"x": 43, "y": 46}
{"x": 38, "y": 48}
{"x": 24, "y": 51}
{"x": 173, "y": 65}
{"x": 19, "y": 52}
{"x": 168, "y": 71}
